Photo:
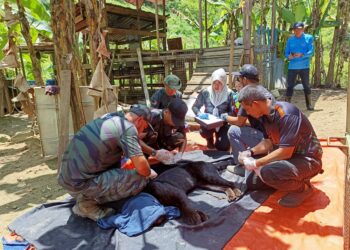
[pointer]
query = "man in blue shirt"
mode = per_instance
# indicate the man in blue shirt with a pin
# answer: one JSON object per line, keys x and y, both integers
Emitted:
{"x": 299, "y": 50}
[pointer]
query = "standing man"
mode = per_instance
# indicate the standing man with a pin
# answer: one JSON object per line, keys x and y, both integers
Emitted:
{"x": 299, "y": 50}
{"x": 161, "y": 98}
{"x": 90, "y": 169}
{"x": 291, "y": 153}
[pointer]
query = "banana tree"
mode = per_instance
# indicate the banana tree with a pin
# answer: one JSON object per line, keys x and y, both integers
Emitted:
{"x": 34, "y": 23}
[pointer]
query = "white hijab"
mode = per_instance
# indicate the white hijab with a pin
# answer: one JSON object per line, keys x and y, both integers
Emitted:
{"x": 218, "y": 98}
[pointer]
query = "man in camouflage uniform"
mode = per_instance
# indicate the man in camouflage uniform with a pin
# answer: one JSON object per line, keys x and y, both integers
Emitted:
{"x": 291, "y": 153}
{"x": 163, "y": 96}
{"x": 167, "y": 130}
{"x": 90, "y": 169}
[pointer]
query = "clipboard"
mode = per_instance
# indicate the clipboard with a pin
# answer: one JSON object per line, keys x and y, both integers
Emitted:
{"x": 211, "y": 123}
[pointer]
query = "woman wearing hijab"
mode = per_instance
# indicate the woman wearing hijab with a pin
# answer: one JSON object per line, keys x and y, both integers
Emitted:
{"x": 217, "y": 100}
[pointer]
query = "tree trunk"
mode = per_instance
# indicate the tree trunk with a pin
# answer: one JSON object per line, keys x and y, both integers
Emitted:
{"x": 92, "y": 15}
{"x": 332, "y": 54}
{"x": 63, "y": 28}
{"x": 247, "y": 26}
{"x": 25, "y": 32}
{"x": 342, "y": 56}
{"x": 316, "y": 22}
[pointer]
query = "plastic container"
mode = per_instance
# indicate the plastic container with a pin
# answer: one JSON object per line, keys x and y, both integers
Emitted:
{"x": 50, "y": 82}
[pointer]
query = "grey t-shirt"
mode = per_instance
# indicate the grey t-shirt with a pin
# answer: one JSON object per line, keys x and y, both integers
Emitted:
{"x": 97, "y": 147}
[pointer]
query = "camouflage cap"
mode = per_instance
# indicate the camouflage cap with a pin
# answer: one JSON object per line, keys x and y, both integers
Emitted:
{"x": 173, "y": 82}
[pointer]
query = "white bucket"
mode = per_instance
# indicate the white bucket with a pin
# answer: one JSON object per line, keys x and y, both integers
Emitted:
{"x": 47, "y": 115}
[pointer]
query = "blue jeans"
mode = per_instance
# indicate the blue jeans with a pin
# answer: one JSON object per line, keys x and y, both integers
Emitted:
{"x": 291, "y": 78}
{"x": 243, "y": 137}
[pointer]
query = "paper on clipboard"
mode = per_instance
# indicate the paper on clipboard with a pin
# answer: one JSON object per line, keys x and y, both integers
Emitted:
{"x": 212, "y": 122}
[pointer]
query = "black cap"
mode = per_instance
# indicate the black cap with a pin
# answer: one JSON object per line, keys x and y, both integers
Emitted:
{"x": 248, "y": 71}
{"x": 178, "y": 110}
{"x": 298, "y": 25}
{"x": 141, "y": 110}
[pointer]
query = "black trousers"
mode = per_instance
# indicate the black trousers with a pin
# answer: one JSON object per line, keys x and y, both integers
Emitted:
{"x": 222, "y": 142}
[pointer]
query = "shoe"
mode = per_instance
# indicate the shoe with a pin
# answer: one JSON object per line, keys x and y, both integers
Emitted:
{"x": 90, "y": 209}
{"x": 295, "y": 199}
{"x": 308, "y": 102}
{"x": 236, "y": 169}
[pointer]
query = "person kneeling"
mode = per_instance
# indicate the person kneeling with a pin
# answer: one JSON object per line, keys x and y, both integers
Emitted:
{"x": 91, "y": 165}
{"x": 293, "y": 151}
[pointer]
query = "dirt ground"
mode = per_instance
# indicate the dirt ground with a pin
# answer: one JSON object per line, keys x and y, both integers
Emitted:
{"x": 27, "y": 179}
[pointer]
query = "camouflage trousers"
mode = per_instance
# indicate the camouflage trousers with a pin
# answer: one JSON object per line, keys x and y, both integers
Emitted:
{"x": 112, "y": 185}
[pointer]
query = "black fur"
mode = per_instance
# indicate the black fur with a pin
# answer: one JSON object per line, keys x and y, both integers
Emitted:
{"x": 172, "y": 186}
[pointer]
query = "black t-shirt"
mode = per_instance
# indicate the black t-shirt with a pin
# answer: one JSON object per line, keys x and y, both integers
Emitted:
{"x": 287, "y": 126}
{"x": 158, "y": 125}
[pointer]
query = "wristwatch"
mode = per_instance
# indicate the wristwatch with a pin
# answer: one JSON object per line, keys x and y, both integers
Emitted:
{"x": 154, "y": 152}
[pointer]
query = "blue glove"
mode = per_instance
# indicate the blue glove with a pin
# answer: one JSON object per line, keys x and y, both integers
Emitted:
{"x": 224, "y": 116}
{"x": 203, "y": 116}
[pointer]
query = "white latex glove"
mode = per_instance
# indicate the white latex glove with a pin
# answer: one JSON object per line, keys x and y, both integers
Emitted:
{"x": 152, "y": 175}
{"x": 243, "y": 154}
{"x": 178, "y": 157}
{"x": 165, "y": 156}
{"x": 249, "y": 163}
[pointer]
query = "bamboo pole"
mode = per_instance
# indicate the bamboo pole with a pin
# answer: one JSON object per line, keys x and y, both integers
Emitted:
{"x": 164, "y": 26}
{"x": 206, "y": 23}
{"x": 22, "y": 63}
{"x": 230, "y": 68}
{"x": 272, "y": 46}
{"x": 157, "y": 25}
{"x": 143, "y": 77}
{"x": 138, "y": 8}
{"x": 200, "y": 24}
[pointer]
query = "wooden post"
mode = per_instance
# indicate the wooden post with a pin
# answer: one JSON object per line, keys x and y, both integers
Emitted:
{"x": 190, "y": 68}
{"x": 157, "y": 25}
{"x": 206, "y": 23}
{"x": 200, "y": 24}
{"x": 247, "y": 30}
{"x": 230, "y": 68}
{"x": 348, "y": 102}
{"x": 143, "y": 77}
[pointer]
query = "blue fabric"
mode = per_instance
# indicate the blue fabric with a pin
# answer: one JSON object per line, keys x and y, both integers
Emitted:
{"x": 138, "y": 214}
{"x": 14, "y": 245}
{"x": 203, "y": 116}
{"x": 303, "y": 45}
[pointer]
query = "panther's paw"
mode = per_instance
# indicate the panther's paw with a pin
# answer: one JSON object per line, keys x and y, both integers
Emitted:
{"x": 195, "y": 217}
{"x": 233, "y": 194}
